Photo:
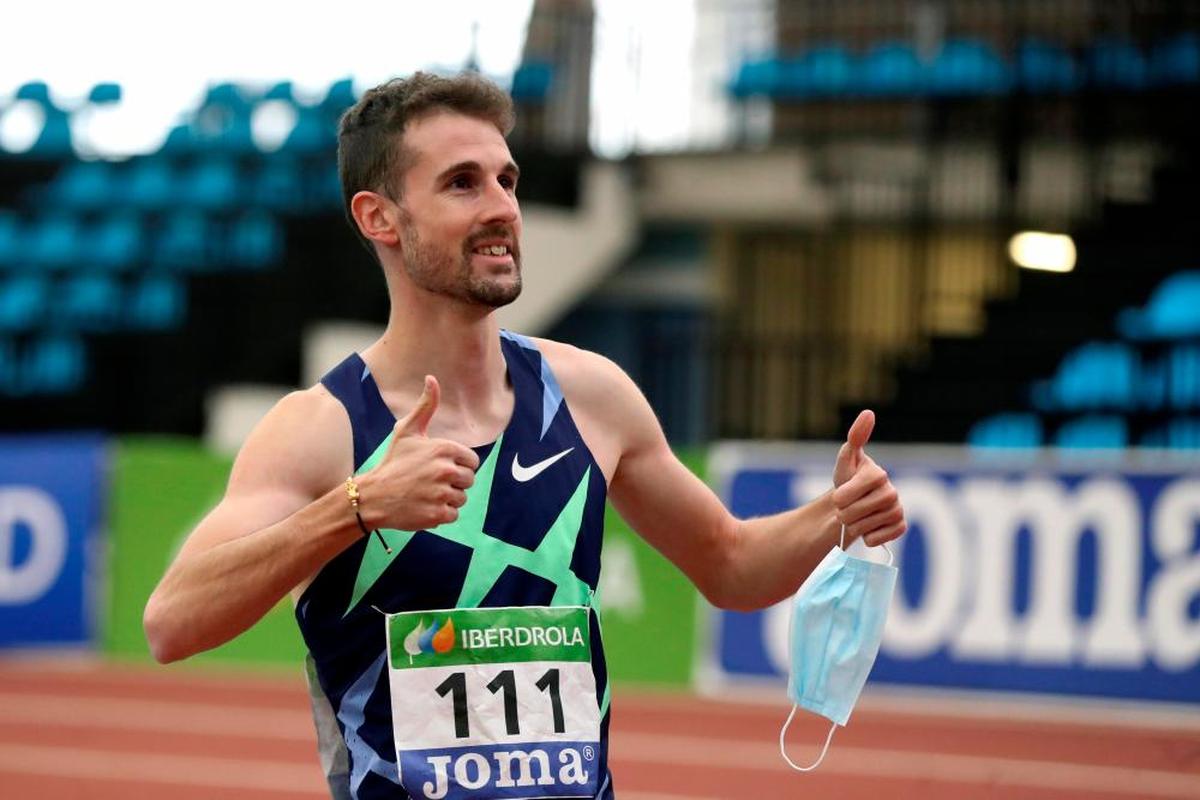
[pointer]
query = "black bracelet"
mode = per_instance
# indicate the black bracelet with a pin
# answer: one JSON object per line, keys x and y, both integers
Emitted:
{"x": 352, "y": 493}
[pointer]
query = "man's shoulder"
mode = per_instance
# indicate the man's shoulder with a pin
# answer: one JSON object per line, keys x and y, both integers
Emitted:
{"x": 574, "y": 364}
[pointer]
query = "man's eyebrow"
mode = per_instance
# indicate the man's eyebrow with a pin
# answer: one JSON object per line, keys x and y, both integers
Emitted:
{"x": 474, "y": 166}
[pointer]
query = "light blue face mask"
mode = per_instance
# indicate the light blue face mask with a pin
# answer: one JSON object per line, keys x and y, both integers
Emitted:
{"x": 837, "y": 624}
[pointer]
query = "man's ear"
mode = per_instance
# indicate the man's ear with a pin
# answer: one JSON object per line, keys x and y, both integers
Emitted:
{"x": 376, "y": 217}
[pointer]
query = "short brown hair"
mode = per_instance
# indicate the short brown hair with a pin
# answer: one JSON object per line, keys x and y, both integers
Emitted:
{"x": 370, "y": 152}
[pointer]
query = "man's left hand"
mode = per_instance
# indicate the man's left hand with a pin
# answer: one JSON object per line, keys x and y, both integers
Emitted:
{"x": 866, "y": 502}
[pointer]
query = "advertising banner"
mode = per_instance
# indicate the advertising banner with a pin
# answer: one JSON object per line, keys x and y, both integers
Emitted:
{"x": 50, "y": 540}
{"x": 1042, "y": 574}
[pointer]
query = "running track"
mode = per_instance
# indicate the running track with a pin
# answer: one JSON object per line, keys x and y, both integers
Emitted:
{"x": 98, "y": 732}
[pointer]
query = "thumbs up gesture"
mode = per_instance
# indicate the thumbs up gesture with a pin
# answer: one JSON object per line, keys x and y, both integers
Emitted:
{"x": 865, "y": 500}
{"x": 421, "y": 481}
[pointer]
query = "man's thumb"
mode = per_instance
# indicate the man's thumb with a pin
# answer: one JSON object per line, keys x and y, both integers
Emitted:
{"x": 860, "y": 431}
{"x": 416, "y": 423}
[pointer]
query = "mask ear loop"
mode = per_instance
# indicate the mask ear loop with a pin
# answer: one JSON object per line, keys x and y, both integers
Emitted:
{"x": 783, "y": 748}
{"x": 888, "y": 550}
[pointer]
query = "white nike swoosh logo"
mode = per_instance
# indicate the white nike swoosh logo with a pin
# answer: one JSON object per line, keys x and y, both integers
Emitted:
{"x": 523, "y": 474}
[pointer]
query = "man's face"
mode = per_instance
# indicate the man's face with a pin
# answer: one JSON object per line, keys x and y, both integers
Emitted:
{"x": 461, "y": 225}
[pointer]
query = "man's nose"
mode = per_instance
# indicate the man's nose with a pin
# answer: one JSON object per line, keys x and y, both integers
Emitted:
{"x": 501, "y": 205}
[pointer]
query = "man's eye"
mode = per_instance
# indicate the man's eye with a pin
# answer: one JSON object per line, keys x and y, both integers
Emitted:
{"x": 461, "y": 182}
{"x": 508, "y": 182}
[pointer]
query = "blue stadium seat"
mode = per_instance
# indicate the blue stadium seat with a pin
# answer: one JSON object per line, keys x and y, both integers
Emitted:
{"x": 90, "y": 302}
{"x": 84, "y": 185}
{"x": 283, "y": 90}
{"x": 54, "y": 242}
{"x": 184, "y": 242}
{"x": 279, "y": 186}
{"x": 36, "y": 91}
{"x": 1183, "y": 376}
{"x": 314, "y": 133}
{"x": 1176, "y": 61}
{"x": 758, "y": 78}
{"x": 341, "y": 95}
{"x": 531, "y": 82}
{"x": 53, "y": 364}
{"x": 1115, "y": 63}
{"x": 1171, "y": 313}
{"x": 117, "y": 242}
{"x": 12, "y": 244}
{"x": 1044, "y": 67}
{"x": 156, "y": 303}
{"x": 1093, "y": 432}
{"x": 255, "y": 241}
{"x": 181, "y": 141}
{"x": 105, "y": 94}
{"x": 150, "y": 185}
{"x": 1183, "y": 433}
{"x": 324, "y": 189}
{"x": 23, "y": 303}
{"x": 968, "y": 67}
{"x": 212, "y": 184}
{"x": 1007, "y": 430}
{"x": 1094, "y": 375}
{"x": 829, "y": 71}
{"x": 891, "y": 69}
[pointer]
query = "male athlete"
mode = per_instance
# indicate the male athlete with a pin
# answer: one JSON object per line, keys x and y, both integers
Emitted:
{"x": 483, "y": 459}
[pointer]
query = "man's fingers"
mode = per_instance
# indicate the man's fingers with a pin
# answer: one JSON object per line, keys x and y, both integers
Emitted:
{"x": 860, "y": 431}
{"x": 876, "y": 538}
{"x": 879, "y": 499}
{"x": 866, "y": 479}
{"x": 416, "y": 423}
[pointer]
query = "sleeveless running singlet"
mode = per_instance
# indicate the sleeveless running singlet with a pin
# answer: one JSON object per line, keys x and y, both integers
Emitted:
{"x": 535, "y": 541}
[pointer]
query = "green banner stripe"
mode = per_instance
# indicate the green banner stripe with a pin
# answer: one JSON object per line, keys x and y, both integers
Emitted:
{"x": 487, "y": 636}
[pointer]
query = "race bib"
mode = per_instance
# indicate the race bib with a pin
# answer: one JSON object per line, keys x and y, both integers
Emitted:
{"x": 494, "y": 703}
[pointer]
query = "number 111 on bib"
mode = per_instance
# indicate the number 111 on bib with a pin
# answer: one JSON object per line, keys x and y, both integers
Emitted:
{"x": 494, "y": 703}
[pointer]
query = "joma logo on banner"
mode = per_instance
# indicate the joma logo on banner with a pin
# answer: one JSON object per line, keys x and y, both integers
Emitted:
{"x": 1144, "y": 577}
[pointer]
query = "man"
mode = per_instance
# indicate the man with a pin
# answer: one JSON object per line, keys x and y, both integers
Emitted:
{"x": 480, "y": 461}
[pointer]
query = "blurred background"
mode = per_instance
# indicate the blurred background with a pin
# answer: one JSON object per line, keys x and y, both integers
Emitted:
{"x": 976, "y": 217}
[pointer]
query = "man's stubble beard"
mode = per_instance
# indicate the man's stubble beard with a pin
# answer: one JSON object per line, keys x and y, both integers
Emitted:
{"x": 436, "y": 272}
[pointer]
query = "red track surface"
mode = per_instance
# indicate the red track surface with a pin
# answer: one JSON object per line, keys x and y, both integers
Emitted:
{"x": 107, "y": 732}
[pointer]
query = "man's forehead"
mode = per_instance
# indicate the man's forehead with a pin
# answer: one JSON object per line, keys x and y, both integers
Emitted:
{"x": 441, "y": 138}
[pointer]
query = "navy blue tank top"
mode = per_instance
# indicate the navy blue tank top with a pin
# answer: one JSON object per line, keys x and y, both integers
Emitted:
{"x": 461, "y": 565}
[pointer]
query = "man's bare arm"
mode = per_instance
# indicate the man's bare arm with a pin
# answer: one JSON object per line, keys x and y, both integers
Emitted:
{"x": 736, "y": 564}
{"x": 286, "y": 513}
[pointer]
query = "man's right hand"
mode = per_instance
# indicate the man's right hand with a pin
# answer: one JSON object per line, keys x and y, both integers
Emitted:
{"x": 421, "y": 482}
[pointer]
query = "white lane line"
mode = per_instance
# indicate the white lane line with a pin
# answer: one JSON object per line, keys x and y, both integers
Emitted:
{"x": 157, "y": 715}
{"x": 222, "y": 773}
{"x": 916, "y": 765}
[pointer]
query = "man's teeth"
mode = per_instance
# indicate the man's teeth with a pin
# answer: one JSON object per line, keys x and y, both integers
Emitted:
{"x": 493, "y": 250}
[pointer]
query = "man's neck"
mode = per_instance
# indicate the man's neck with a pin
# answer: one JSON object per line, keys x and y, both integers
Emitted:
{"x": 458, "y": 344}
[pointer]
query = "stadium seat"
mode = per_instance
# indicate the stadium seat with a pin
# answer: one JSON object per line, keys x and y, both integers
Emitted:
{"x": 23, "y": 303}
{"x": 84, "y": 186}
{"x": 117, "y": 242}
{"x": 313, "y": 133}
{"x": 212, "y": 184}
{"x": 1007, "y": 430}
{"x": 90, "y": 303}
{"x": 1095, "y": 375}
{"x": 150, "y": 185}
{"x": 53, "y": 364}
{"x": 531, "y": 82}
{"x": 1183, "y": 377}
{"x": 183, "y": 242}
{"x": 1176, "y": 61}
{"x": 104, "y": 94}
{"x": 890, "y": 69}
{"x": 1171, "y": 313}
{"x": 11, "y": 239}
{"x": 341, "y": 95}
{"x": 156, "y": 303}
{"x": 758, "y": 78}
{"x": 828, "y": 71}
{"x": 54, "y": 242}
{"x": 279, "y": 186}
{"x": 255, "y": 241}
{"x": 283, "y": 90}
{"x": 1117, "y": 64}
{"x": 1093, "y": 432}
{"x": 968, "y": 67}
{"x": 1043, "y": 67}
